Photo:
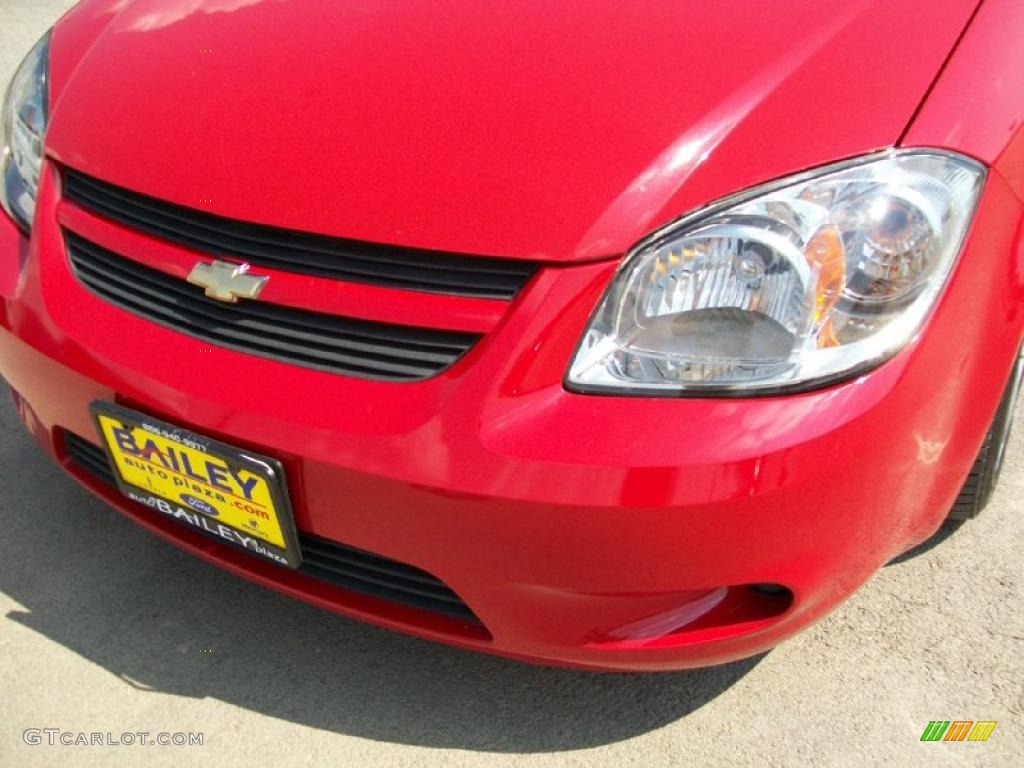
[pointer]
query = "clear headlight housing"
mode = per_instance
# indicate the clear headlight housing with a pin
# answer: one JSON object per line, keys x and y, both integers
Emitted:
{"x": 786, "y": 287}
{"x": 23, "y": 122}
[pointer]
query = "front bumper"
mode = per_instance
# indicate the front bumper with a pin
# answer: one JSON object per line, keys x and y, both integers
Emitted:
{"x": 605, "y": 532}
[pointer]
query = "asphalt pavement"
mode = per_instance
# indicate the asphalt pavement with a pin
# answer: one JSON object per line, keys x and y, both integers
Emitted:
{"x": 106, "y": 629}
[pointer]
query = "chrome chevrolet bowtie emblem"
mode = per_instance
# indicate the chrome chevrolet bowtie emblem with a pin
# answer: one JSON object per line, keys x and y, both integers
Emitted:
{"x": 228, "y": 282}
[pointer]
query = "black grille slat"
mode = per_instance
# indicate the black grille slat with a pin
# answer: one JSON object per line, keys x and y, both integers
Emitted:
{"x": 167, "y": 310}
{"x": 363, "y": 571}
{"x": 130, "y": 204}
{"x": 288, "y": 259}
{"x": 301, "y": 252}
{"x": 263, "y": 346}
{"x": 325, "y": 342}
{"x": 164, "y": 290}
{"x": 253, "y": 343}
{"x": 90, "y": 457}
{"x": 455, "y": 608}
{"x": 370, "y": 576}
{"x": 328, "y": 556}
{"x": 347, "y": 567}
{"x": 326, "y": 549}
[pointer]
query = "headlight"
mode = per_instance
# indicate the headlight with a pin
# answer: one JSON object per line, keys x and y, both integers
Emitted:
{"x": 23, "y": 120}
{"x": 792, "y": 285}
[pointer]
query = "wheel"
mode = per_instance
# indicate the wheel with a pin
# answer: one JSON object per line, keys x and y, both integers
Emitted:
{"x": 985, "y": 472}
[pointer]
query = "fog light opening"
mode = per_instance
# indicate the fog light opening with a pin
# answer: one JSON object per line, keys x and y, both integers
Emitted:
{"x": 772, "y": 590}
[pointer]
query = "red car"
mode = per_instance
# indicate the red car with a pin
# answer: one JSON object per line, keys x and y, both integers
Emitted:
{"x": 612, "y": 335}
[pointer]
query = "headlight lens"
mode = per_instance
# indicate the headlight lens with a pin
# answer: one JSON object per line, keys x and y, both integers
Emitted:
{"x": 24, "y": 116}
{"x": 792, "y": 285}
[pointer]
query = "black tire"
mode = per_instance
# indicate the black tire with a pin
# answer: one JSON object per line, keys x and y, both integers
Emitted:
{"x": 984, "y": 474}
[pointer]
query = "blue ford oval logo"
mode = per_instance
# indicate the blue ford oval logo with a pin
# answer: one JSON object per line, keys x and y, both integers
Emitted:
{"x": 200, "y": 505}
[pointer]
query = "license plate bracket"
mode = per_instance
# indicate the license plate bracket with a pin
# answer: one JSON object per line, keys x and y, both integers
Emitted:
{"x": 235, "y": 495}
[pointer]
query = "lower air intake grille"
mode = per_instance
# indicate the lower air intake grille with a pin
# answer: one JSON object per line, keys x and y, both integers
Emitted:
{"x": 342, "y": 345}
{"x": 90, "y": 458}
{"x": 371, "y": 574}
{"x": 345, "y": 567}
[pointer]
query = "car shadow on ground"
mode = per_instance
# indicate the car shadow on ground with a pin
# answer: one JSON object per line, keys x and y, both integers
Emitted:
{"x": 161, "y": 620}
{"x": 946, "y": 530}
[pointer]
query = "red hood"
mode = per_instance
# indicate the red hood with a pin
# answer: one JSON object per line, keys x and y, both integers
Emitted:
{"x": 530, "y": 129}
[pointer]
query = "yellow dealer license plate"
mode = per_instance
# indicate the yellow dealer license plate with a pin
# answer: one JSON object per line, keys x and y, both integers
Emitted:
{"x": 235, "y": 495}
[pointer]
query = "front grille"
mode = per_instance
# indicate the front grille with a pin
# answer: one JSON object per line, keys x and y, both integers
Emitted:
{"x": 324, "y": 342}
{"x": 370, "y": 574}
{"x": 347, "y": 567}
{"x": 89, "y": 457}
{"x": 301, "y": 252}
